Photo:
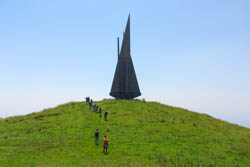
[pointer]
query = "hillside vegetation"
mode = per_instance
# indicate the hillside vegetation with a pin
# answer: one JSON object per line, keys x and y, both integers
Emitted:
{"x": 140, "y": 134}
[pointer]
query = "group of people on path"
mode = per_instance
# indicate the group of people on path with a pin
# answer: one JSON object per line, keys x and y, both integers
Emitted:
{"x": 98, "y": 109}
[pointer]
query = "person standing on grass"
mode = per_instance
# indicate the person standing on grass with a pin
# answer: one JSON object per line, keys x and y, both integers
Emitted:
{"x": 100, "y": 111}
{"x": 94, "y": 107}
{"x": 96, "y": 137}
{"x": 105, "y": 145}
{"x": 87, "y": 99}
{"x": 105, "y": 115}
{"x": 90, "y": 105}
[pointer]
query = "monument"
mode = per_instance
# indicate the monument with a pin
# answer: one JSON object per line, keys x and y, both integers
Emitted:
{"x": 125, "y": 85}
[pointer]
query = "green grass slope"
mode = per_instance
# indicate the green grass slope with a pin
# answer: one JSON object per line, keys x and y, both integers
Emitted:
{"x": 140, "y": 133}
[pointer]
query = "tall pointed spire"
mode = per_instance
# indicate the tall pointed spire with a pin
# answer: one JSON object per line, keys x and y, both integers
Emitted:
{"x": 125, "y": 49}
{"x": 125, "y": 85}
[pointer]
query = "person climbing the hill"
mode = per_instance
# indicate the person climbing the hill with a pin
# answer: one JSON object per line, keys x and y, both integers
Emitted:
{"x": 94, "y": 107}
{"x": 105, "y": 145}
{"x": 90, "y": 105}
{"x": 100, "y": 111}
{"x": 87, "y": 99}
{"x": 105, "y": 115}
{"x": 96, "y": 137}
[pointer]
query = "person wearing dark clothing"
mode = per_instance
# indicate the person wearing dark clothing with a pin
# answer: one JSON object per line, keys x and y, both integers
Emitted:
{"x": 96, "y": 137}
{"x": 87, "y": 99}
{"x": 90, "y": 105}
{"x": 100, "y": 112}
{"x": 94, "y": 107}
{"x": 105, "y": 145}
{"x": 105, "y": 115}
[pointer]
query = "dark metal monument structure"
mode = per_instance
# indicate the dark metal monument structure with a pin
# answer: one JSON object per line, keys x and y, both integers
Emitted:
{"x": 125, "y": 85}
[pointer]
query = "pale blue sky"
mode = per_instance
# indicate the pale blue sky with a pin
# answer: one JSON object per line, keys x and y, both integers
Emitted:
{"x": 191, "y": 54}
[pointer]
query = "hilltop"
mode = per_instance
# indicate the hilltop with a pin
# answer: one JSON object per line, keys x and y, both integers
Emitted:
{"x": 140, "y": 133}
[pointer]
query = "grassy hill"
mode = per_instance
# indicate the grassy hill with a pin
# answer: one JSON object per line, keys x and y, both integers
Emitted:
{"x": 140, "y": 133}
